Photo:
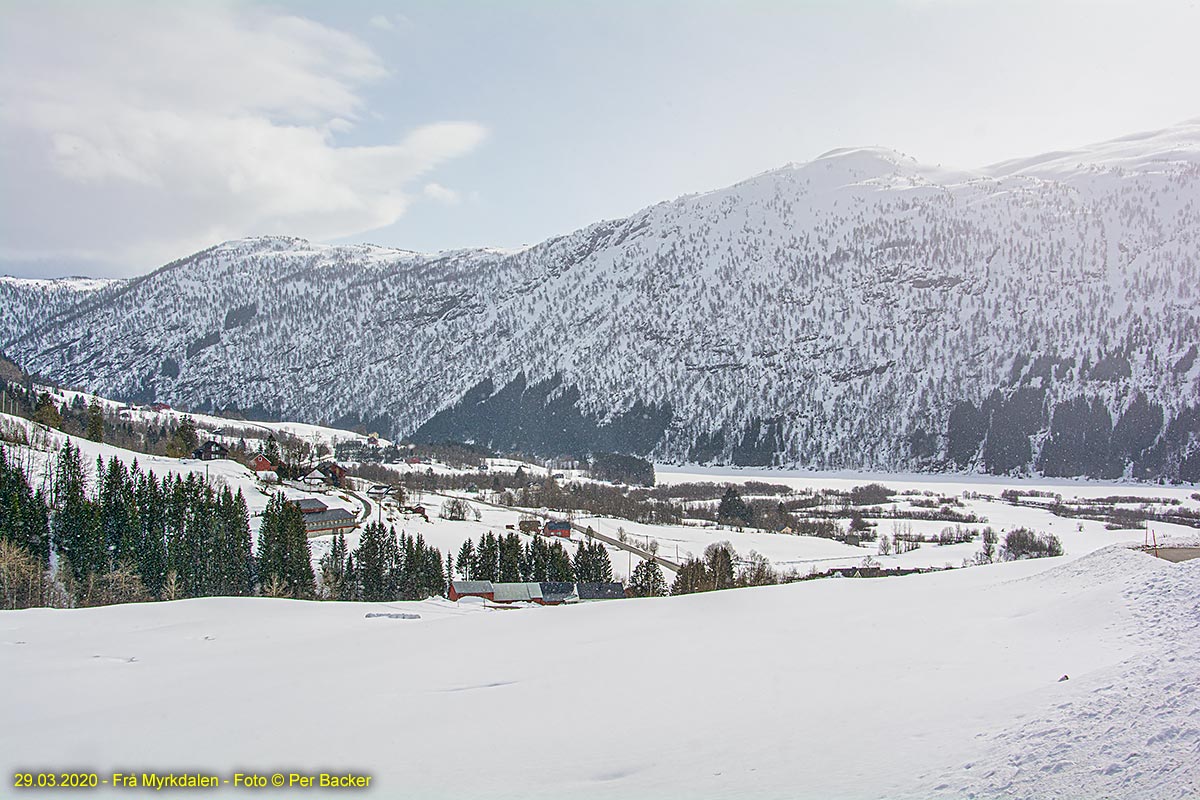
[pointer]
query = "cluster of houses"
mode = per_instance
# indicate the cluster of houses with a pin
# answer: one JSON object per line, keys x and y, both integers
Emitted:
{"x": 554, "y": 527}
{"x": 544, "y": 593}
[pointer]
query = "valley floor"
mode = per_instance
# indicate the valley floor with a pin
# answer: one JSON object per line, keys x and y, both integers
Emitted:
{"x": 935, "y": 685}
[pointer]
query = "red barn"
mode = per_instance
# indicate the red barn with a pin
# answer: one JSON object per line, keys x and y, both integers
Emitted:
{"x": 558, "y": 527}
{"x": 471, "y": 589}
{"x": 261, "y": 463}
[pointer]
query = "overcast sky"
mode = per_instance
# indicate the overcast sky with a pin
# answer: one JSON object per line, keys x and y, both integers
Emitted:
{"x": 135, "y": 133}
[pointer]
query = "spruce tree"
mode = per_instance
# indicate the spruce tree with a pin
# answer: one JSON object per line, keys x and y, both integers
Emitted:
{"x": 375, "y": 563}
{"x": 692, "y": 577}
{"x": 510, "y": 558}
{"x": 47, "y": 412}
{"x": 466, "y": 561}
{"x": 95, "y": 421}
{"x": 732, "y": 510}
{"x": 333, "y": 568}
{"x": 119, "y": 521}
{"x": 283, "y": 553}
{"x": 151, "y": 556}
{"x": 487, "y": 558}
{"x": 592, "y": 564}
{"x": 558, "y": 565}
{"x": 647, "y": 580}
{"x": 24, "y": 518}
{"x": 75, "y": 530}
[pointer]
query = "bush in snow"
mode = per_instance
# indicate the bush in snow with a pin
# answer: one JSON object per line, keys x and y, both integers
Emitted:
{"x": 1023, "y": 543}
{"x": 458, "y": 509}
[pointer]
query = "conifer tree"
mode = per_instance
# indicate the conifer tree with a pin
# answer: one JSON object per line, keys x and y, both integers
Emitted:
{"x": 75, "y": 532}
{"x": 692, "y": 577}
{"x": 270, "y": 450}
{"x": 119, "y": 523}
{"x": 47, "y": 412}
{"x": 732, "y": 510}
{"x": 592, "y": 564}
{"x": 647, "y": 580}
{"x": 231, "y": 545}
{"x": 283, "y": 553}
{"x": 151, "y": 556}
{"x": 558, "y": 565}
{"x": 333, "y": 569}
{"x": 510, "y": 558}
{"x": 24, "y": 518}
{"x": 375, "y": 563}
{"x": 95, "y": 421}
{"x": 466, "y": 561}
{"x": 487, "y": 558}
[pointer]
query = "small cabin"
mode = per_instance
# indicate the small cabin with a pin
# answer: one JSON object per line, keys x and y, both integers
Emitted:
{"x": 557, "y": 527}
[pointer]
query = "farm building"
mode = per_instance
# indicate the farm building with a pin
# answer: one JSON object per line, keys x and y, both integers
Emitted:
{"x": 261, "y": 463}
{"x": 211, "y": 451}
{"x": 557, "y": 527}
{"x": 335, "y": 474}
{"x": 600, "y": 591}
{"x": 333, "y": 520}
{"x": 517, "y": 592}
{"x": 546, "y": 593}
{"x": 470, "y": 589}
{"x": 557, "y": 592}
{"x": 310, "y": 505}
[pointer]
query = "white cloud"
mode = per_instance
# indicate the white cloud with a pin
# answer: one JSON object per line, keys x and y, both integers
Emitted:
{"x": 382, "y": 23}
{"x": 138, "y": 132}
{"x": 435, "y": 191}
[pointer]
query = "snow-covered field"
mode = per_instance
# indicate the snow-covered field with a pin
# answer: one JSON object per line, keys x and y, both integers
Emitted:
{"x": 930, "y": 686}
{"x": 926, "y": 686}
{"x": 804, "y": 552}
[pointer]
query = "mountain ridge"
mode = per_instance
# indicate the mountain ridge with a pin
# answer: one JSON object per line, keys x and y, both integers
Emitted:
{"x": 859, "y": 310}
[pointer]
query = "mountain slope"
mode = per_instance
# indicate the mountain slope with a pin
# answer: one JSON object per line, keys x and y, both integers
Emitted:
{"x": 859, "y": 310}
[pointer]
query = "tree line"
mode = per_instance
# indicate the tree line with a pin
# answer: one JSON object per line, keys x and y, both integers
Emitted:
{"x": 504, "y": 559}
{"x": 133, "y": 537}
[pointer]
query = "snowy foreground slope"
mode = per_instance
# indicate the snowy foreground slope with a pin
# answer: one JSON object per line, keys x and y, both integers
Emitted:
{"x": 942, "y": 685}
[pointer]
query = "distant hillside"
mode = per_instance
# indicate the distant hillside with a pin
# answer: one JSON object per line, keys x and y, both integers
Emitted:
{"x": 860, "y": 310}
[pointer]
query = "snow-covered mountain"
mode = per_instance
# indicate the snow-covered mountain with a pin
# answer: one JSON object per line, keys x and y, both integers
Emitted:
{"x": 860, "y": 310}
